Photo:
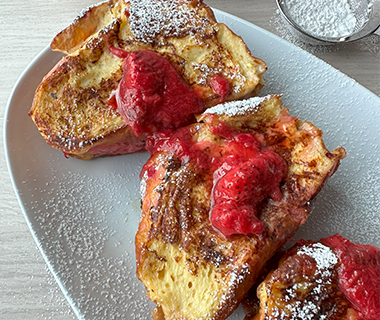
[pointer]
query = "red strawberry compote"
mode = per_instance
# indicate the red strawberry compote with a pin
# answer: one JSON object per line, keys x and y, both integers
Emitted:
{"x": 244, "y": 172}
{"x": 359, "y": 275}
{"x": 237, "y": 193}
{"x": 221, "y": 87}
{"x": 151, "y": 95}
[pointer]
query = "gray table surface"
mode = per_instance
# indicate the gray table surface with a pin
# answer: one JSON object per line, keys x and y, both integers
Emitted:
{"x": 27, "y": 289}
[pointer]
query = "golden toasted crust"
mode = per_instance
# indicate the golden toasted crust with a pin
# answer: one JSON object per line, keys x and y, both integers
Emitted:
{"x": 70, "y": 106}
{"x": 190, "y": 270}
{"x": 300, "y": 287}
{"x": 87, "y": 24}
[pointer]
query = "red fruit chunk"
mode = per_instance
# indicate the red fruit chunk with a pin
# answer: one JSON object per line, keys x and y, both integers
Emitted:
{"x": 237, "y": 193}
{"x": 231, "y": 218}
{"x": 152, "y": 96}
{"x": 359, "y": 275}
{"x": 120, "y": 53}
{"x": 253, "y": 180}
{"x": 221, "y": 87}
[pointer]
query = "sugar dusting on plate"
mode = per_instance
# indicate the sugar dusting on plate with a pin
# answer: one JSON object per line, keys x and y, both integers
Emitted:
{"x": 85, "y": 238}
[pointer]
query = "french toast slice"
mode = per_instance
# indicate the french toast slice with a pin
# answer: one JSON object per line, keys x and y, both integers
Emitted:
{"x": 191, "y": 269}
{"x": 71, "y": 107}
{"x": 307, "y": 282}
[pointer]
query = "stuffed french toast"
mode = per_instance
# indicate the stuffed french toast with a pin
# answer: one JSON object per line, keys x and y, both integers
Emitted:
{"x": 135, "y": 67}
{"x": 219, "y": 198}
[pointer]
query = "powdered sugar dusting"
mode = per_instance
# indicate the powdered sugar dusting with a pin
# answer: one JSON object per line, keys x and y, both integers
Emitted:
{"x": 150, "y": 18}
{"x": 324, "y": 18}
{"x": 323, "y": 256}
{"x": 239, "y": 107}
{"x": 325, "y": 260}
{"x": 309, "y": 308}
{"x": 206, "y": 72}
{"x": 238, "y": 274}
{"x": 84, "y": 234}
{"x": 369, "y": 44}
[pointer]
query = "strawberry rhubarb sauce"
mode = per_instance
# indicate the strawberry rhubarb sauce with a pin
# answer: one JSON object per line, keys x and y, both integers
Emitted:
{"x": 152, "y": 96}
{"x": 244, "y": 172}
{"x": 359, "y": 275}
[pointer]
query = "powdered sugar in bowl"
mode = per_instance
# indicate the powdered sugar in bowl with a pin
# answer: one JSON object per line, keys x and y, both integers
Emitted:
{"x": 331, "y": 21}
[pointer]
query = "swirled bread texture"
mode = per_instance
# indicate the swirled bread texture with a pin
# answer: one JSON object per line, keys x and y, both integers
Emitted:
{"x": 71, "y": 108}
{"x": 191, "y": 270}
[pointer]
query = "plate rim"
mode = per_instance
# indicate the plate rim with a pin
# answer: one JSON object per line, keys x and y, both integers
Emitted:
{"x": 40, "y": 56}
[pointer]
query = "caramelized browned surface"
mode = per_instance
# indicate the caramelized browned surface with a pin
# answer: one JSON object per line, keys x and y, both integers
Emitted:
{"x": 304, "y": 285}
{"x": 189, "y": 269}
{"x": 70, "y": 106}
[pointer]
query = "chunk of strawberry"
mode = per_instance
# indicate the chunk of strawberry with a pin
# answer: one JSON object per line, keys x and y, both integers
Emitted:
{"x": 252, "y": 181}
{"x": 237, "y": 193}
{"x": 238, "y": 149}
{"x": 231, "y": 218}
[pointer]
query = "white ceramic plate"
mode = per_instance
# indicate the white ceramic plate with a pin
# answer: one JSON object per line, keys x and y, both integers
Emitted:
{"x": 84, "y": 215}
